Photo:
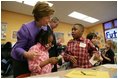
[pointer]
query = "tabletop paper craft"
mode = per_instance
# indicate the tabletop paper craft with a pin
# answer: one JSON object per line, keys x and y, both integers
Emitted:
{"x": 87, "y": 74}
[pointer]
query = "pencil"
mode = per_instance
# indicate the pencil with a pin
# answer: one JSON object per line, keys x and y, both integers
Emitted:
{"x": 83, "y": 73}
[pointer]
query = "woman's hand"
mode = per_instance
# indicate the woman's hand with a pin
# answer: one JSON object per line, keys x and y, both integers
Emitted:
{"x": 30, "y": 55}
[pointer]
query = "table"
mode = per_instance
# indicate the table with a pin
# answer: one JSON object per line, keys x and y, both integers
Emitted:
{"x": 112, "y": 69}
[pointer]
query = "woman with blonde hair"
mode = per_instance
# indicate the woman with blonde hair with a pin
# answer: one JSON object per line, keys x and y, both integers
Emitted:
{"x": 108, "y": 54}
{"x": 26, "y": 38}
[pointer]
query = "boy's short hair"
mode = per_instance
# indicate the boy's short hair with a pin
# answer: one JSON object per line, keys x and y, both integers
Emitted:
{"x": 41, "y": 9}
{"x": 80, "y": 25}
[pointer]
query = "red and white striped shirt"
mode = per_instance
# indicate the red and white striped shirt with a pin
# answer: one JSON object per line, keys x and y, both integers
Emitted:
{"x": 34, "y": 65}
{"x": 80, "y": 49}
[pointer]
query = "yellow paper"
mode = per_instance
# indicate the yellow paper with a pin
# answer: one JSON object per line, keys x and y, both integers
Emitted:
{"x": 88, "y": 74}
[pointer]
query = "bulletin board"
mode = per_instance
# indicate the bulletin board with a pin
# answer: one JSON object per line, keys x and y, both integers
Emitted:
{"x": 3, "y": 30}
{"x": 14, "y": 34}
{"x": 59, "y": 37}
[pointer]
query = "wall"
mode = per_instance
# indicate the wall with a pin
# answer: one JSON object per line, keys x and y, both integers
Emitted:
{"x": 15, "y": 20}
{"x": 66, "y": 29}
{"x": 98, "y": 29}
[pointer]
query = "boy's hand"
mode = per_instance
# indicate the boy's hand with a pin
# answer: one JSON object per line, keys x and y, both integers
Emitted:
{"x": 97, "y": 56}
{"x": 73, "y": 59}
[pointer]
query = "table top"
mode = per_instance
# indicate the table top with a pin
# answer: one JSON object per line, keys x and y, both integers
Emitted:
{"x": 112, "y": 70}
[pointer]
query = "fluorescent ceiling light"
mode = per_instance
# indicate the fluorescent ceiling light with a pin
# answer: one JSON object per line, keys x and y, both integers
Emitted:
{"x": 77, "y": 15}
{"x": 90, "y": 19}
{"x": 19, "y": 1}
{"x": 50, "y": 4}
{"x": 33, "y": 2}
{"x": 83, "y": 17}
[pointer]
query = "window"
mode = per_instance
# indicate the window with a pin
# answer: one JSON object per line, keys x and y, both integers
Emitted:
{"x": 110, "y": 30}
{"x": 115, "y": 23}
{"x": 108, "y": 25}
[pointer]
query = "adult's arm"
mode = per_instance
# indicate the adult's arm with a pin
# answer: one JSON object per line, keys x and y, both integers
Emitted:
{"x": 22, "y": 42}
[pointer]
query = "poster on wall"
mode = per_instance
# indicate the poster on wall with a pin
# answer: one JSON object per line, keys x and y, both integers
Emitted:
{"x": 111, "y": 34}
{"x": 14, "y": 34}
{"x": 69, "y": 34}
{"x": 3, "y": 30}
{"x": 59, "y": 37}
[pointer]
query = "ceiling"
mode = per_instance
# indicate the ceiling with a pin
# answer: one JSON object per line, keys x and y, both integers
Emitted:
{"x": 102, "y": 10}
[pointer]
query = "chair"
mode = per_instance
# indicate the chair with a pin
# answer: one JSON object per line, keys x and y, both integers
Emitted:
{"x": 6, "y": 62}
{"x": 23, "y": 75}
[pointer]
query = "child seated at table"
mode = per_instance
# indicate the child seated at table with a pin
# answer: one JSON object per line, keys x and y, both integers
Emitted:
{"x": 93, "y": 38}
{"x": 42, "y": 64}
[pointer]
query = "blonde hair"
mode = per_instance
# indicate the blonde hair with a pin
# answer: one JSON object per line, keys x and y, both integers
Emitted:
{"x": 111, "y": 43}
